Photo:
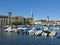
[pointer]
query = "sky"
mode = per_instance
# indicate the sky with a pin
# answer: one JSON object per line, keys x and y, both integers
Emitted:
{"x": 40, "y": 8}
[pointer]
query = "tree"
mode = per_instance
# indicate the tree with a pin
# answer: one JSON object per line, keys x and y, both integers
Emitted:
{"x": 20, "y": 22}
{"x": 27, "y": 21}
{"x": 17, "y": 22}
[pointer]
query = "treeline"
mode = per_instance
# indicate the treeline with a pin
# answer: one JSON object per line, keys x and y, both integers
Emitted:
{"x": 20, "y": 22}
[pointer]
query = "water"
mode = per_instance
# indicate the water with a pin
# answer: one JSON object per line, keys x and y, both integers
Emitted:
{"x": 8, "y": 38}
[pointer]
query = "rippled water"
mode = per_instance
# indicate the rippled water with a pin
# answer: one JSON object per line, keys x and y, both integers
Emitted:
{"x": 8, "y": 38}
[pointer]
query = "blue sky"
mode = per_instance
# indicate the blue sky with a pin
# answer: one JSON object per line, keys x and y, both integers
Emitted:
{"x": 40, "y": 8}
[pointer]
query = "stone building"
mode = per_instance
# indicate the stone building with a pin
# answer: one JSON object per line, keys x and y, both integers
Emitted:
{"x": 5, "y": 20}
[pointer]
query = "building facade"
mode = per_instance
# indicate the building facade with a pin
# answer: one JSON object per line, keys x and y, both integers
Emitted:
{"x": 5, "y": 20}
{"x": 44, "y": 22}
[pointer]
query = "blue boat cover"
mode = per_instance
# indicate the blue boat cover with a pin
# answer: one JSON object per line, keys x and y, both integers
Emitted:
{"x": 58, "y": 33}
{"x": 26, "y": 30}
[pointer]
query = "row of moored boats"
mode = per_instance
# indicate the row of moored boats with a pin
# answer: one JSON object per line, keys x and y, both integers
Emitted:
{"x": 38, "y": 31}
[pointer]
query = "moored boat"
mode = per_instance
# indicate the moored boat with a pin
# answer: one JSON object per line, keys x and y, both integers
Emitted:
{"x": 44, "y": 34}
{"x": 30, "y": 31}
{"x": 8, "y": 29}
{"x": 53, "y": 34}
{"x": 25, "y": 30}
{"x": 38, "y": 33}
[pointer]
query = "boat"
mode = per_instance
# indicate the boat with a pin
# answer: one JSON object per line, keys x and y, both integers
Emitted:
{"x": 6, "y": 26}
{"x": 25, "y": 30}
{"x": 30, "y": 31}
{"x": 37, "y": 28}
{"x": 45, "y": 28}
{"x": 8, "y": 29}
{"x": 37, "y": 33}
{"x": 53, "y": 34}
{"x": 13, "y": 30}
{"x": 21, "y": 28}
{"x": 56, "y": 28}
{"x": 44, "y": 34}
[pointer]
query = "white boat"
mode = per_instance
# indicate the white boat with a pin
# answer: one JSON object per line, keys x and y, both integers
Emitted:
{"x": 8, "y": 29}
{"x": 21, "y": 28}
{"x": 45, "y": 28}
{"x": 38, "y": 32}
{"x": 44, "y": 34}
{"x": 52, "y": 34}
{"x": 30, "y": 31}
{"x": 6, "y": 26}
{"x": 14, "y": 30}
{"x": 56, "y": 28}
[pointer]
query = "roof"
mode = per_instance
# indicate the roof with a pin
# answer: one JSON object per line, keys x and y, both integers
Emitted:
{"x": 47, "y": 21}
{"x": 41, "y": 20}
{"x": 3, "y": 16}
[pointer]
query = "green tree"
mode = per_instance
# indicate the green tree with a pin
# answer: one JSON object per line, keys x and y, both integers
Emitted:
{"x": 27, "y": 21}
{"x": 17, "y": 22}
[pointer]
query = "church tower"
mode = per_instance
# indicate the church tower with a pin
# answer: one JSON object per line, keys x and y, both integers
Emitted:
{"x": 9, "y": 17}
{"x": 31, "y": 15}
{"x": 31, "y": 18}
{"x": 47, "y": 18}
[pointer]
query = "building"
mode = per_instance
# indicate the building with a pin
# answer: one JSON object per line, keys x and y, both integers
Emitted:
{"x": 47, "y": 22}
{"x": 5, "y": 20}
{"x": 44, "y": 22}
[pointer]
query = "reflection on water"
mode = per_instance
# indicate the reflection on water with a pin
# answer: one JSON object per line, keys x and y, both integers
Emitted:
{"x": 8, "y": 38}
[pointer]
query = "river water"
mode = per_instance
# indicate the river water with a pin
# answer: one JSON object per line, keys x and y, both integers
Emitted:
{"x": 11, "y": 38}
